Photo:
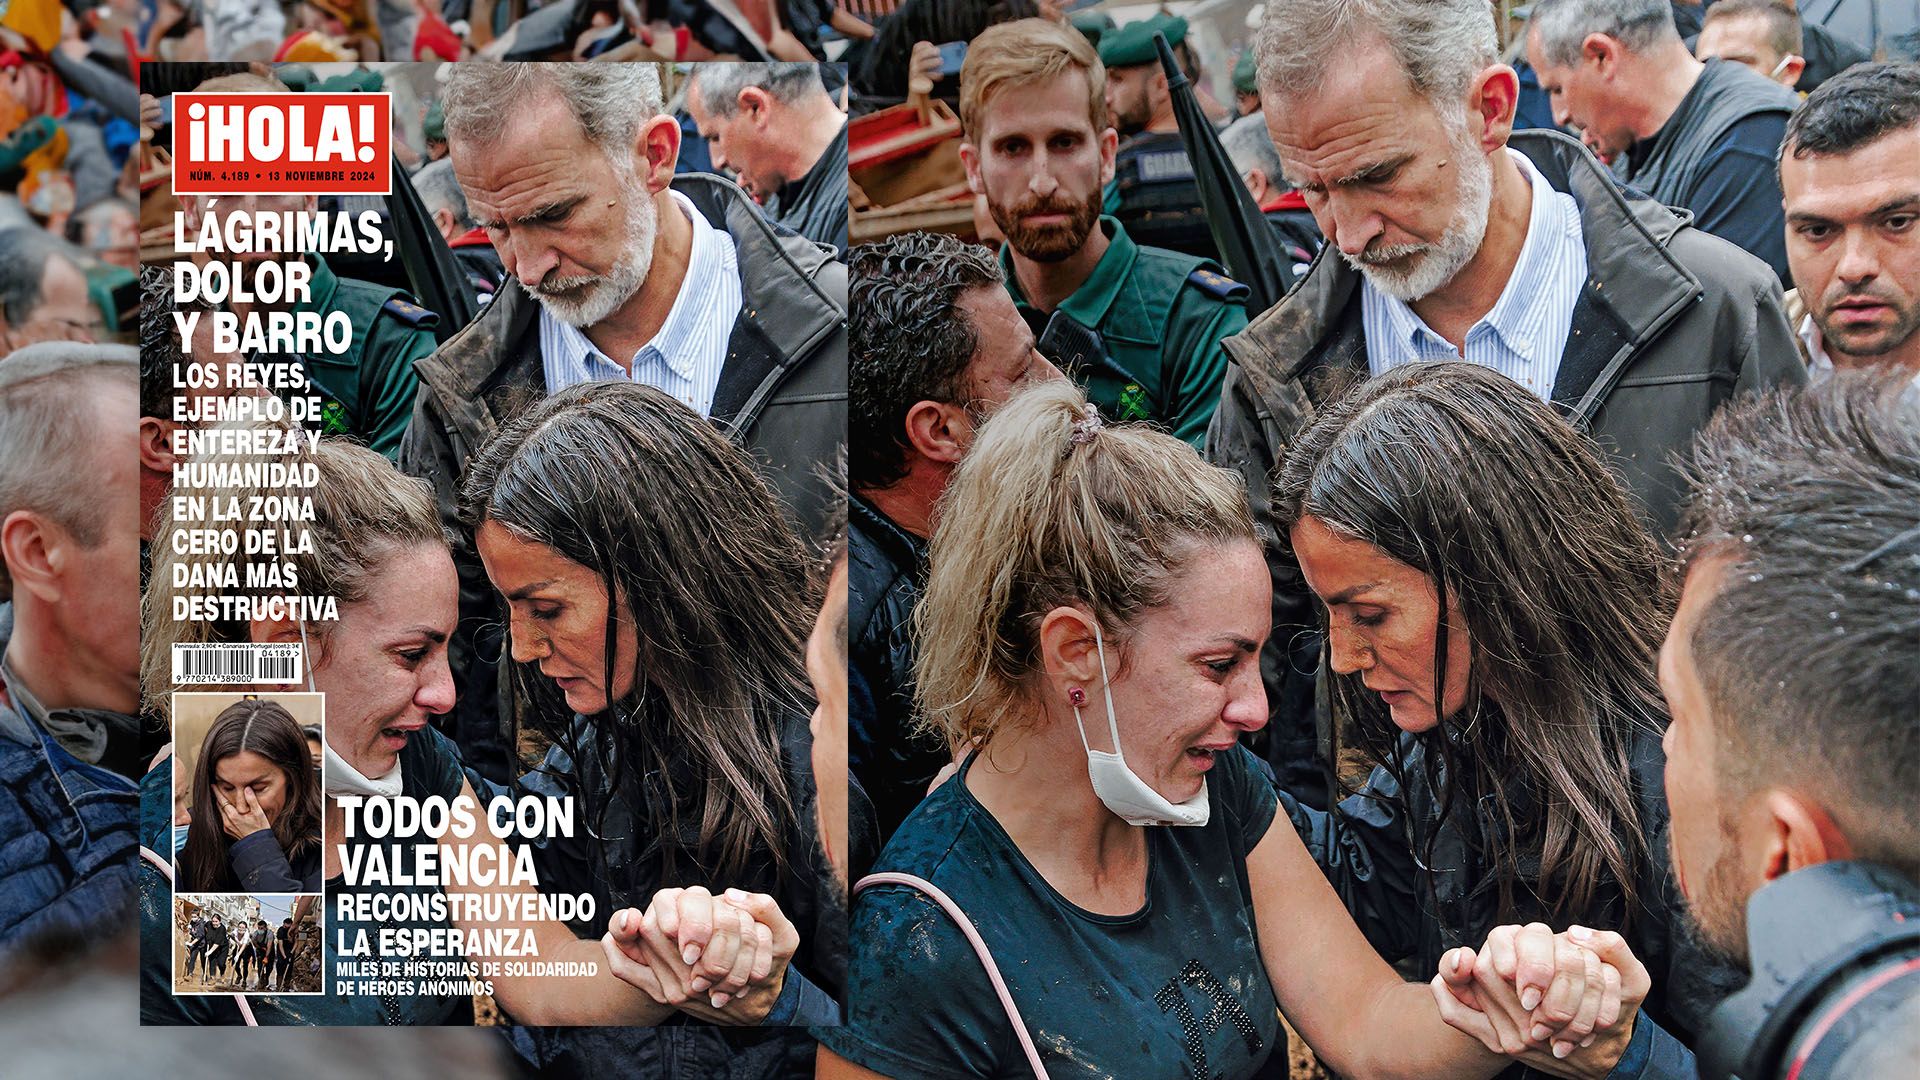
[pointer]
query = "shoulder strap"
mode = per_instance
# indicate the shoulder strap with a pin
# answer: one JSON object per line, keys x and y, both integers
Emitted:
{"x": 972, "y": 935}
{"x": 166, "y": 868}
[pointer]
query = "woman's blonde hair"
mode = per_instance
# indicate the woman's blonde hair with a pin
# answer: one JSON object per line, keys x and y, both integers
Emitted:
{"x": 364, "y": 511}
{"x": 1050, "y": 509}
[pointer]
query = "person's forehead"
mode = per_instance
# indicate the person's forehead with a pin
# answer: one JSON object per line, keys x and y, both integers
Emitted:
{"x": 1037, "y": 108}
{"x": 1840, "y": 186}
{"x": 534, "y": 138}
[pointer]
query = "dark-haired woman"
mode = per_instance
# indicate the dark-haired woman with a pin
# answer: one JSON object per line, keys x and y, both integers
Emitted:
{"x": 255, "y": 780}
{"x": 659, "y": 615}
{"x": 1494, "y": 611}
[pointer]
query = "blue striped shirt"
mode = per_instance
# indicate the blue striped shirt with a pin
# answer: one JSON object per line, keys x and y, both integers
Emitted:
{"x": 686, "y": 356}
{"x": 1524, "y": 334}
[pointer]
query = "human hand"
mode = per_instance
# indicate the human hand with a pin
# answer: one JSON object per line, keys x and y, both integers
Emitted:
{"x": 923, "y": 69}
{"x": 1562, "y": 1003}
{"x": 242, "y": 815}
{"x": 721, "y": 959}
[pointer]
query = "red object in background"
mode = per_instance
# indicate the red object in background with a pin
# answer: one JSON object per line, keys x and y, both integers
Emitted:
{"x": 282, "y": 144}
{"x": 433, "y": 39}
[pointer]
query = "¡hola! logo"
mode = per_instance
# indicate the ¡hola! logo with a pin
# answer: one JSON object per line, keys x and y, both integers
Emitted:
{"x": 282, "y": 144}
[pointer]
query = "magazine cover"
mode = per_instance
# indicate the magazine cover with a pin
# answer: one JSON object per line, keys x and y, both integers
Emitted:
{"x": 482, "y": 653}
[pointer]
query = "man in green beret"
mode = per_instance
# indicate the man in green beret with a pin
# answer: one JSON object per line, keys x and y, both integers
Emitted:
{"x": 1246, "y": 84}
{"x": 1152, "y": 191}
{"x": 1036, "y": 143}
{"x": 434, "y": 129}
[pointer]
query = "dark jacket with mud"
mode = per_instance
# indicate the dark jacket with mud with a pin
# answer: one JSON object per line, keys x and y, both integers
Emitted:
{"x": 886, "y": 571}
{"x": 1670, "y": 324}
{"x": 782, "y": 397}
{"x": 1419, "y": 883}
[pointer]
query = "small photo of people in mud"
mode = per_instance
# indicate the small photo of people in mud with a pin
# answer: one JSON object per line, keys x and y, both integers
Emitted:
{"x": 242, "y": 943}
{"x": 246, "y": 793}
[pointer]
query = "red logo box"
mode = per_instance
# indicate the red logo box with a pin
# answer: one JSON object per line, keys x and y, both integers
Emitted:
{"x": 282, "y": 144}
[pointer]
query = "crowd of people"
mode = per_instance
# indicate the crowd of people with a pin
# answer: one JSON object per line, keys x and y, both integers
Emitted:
{"x": 1515, "y": 624}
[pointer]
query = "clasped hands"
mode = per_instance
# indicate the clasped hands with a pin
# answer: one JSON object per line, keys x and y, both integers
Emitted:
{"x": 1563, "y": 1003}
{"x": 720, "y": 958}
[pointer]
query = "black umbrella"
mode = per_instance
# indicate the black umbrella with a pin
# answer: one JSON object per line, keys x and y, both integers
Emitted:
{"x": 1247, "y": 244}
{"x": 437, "y": 279}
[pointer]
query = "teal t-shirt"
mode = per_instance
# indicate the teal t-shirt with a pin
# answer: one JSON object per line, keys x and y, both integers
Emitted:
{"x": 1174, "y": 990}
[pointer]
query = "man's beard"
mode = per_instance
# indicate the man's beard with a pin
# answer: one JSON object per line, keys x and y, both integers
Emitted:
{"x": 1411, "y": 271}
{"x": 585, "y": 300}
{"x": 1873, "y": 341}
{"x": 1130, "y": 119}
{"x": 1718, "y": 905}
{"x": 1047, "y": 243}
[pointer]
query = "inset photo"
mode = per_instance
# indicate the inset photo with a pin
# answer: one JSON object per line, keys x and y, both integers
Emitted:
{"x": 247, "y": 810}
{"x": 242, "y": 943}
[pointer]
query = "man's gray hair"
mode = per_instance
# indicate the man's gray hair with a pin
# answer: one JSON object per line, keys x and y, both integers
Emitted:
{"x": 719, "y": 85}
{"x": 1440, "y": 44}
{"x": 1249, "y": 147}
{"x": 48, "y": 424}
{"x": 24, "y": 251}
{"x": 1561, "y": 26}
{"x": 610, "y": 101}
{"x": 439, "y": 190}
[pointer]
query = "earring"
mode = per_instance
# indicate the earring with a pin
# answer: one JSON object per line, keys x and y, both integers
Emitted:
{"x": 1076, "y": 697}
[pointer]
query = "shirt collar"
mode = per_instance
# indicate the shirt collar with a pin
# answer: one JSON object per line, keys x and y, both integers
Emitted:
{"x": 1089, "y": 303}
{"x": 682, "y": 321}
{"x": 1515, "y": 314}
{"x": 1518, "y": 314}
{"x": 1819, "y": 364}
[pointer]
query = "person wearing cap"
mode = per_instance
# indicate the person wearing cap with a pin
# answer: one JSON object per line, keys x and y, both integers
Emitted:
{"x": 1246, "y": 84}
{"x": 1159, "y": 315}
{"x": 433, "y": 128}
{"x": 1153, "y": 191}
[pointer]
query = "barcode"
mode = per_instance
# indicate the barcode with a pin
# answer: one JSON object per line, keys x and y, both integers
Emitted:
{"x": 232, "y": 664}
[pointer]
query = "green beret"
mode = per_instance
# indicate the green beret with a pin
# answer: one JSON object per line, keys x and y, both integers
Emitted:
{"x": 435, "y": 125}
{"x": 297, "y": 77}
{"x": 360, "y": 81}
{"x": 1244, "y": 80}
{"x": 1093, "y": 25}
{"x": 1132, "y": 44}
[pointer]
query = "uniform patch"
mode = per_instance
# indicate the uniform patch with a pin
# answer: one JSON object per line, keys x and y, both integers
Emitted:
{"x": 410, "y": 313}
{"x": 1219, "y": 286}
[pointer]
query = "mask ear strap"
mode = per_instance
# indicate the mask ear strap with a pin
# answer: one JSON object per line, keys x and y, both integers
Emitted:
{"x": 1106, "y": 690}
{"x": 306, "y": 656}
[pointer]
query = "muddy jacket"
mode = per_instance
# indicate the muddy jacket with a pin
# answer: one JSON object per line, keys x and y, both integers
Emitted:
{"x": 1670, "y": 324}
{"x": 1419, "y": 884}
{"x": 782, "y": 397}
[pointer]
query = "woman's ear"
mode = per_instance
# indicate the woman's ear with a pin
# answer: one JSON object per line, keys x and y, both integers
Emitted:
{"x": 1068, "y": 651}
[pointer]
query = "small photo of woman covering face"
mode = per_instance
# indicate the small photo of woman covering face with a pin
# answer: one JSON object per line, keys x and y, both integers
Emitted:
{"x": 253, "y": 798}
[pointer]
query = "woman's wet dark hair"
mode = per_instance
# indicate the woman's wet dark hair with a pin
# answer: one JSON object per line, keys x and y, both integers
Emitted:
{"x": 266, "y": 728}
{"x": 698, "y": 556}
{"x": 1460, "y": 473}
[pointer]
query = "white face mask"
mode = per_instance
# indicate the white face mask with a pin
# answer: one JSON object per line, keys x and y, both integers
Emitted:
{"x": 1117, "y": 786}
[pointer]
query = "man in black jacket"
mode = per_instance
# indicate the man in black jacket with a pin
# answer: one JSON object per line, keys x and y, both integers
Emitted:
{"x": 1693, "y": 135}
{"x": 934, "y": 346}
{"x": 1658, "y": 326}
{"x": 618, "y": 269}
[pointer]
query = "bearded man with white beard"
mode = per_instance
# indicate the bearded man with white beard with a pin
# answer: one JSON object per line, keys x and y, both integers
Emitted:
{"x": 617, "y": 268}
{"x": 1449, "y": 236}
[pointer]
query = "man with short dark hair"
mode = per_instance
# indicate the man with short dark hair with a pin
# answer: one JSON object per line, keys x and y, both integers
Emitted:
{"x": 1763, "y": 35}
{"x": 1791, "y": 672}
{"x": 1451, "y": 237}
{"x": 1689, "y": 134}
{"x": 70, "y": 743}
{"x": 780, "y": 132}
{"x": 934, "y": 346}
{"x": 1850, "y": 175}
